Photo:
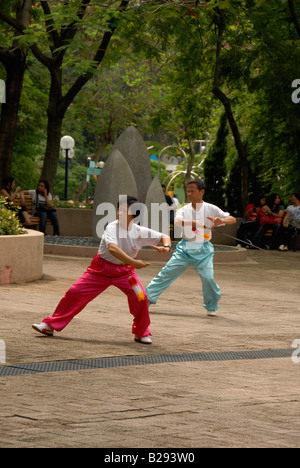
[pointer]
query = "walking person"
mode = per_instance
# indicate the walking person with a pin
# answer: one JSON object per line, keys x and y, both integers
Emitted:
{"x": 114, "y": 265}
{"x": 195, "y": 249}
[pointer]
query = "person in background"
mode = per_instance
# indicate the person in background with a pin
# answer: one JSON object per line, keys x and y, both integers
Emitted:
{"x": 291, "y": 222}
{"x": 249, "y": 224}
{"x": 10, "y": 192}
{"x": 275, "y": 206}
{"x": 176, "y": 202}
{"x": 268, "y": 220}
{"x": 172, "y": 210}
{"x": 43, "y": 206}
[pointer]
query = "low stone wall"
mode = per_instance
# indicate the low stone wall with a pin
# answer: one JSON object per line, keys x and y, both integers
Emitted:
{"x": 74, "y": 222}
{"x": 225, "y": 235}
{"x": 79, "y": 223}
{"x": 21, "y": 258}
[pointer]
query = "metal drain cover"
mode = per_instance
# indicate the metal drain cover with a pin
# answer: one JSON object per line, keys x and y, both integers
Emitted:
{"x": 125, "y": 361}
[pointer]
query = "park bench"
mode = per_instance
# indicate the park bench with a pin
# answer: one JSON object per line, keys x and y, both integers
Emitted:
{"x": 29, "y": 205}
{"x": 268, "y": 233}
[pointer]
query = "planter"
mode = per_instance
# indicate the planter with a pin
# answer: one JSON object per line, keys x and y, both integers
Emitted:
{"x": 21, "y": 258}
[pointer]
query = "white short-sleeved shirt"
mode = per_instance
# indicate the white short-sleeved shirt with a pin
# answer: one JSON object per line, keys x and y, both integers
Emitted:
{"x": 42, "y": 199}
{"x": 294, "y": 212}
{"x": 131, "y": 242}
{"x": 204, "y": 210}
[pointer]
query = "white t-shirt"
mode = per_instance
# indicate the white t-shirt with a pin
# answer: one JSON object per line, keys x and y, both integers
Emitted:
{"x": 131, "y": 242}
{"x": 294, "y": 212}
{"x": 41, "y": 198}
{"x": 204, "y": 210}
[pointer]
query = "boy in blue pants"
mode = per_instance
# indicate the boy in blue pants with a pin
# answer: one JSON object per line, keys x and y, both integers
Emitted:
{"x": 196, "y": 219}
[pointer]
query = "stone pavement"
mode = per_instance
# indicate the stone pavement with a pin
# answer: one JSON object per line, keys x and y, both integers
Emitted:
{"x": 224, "y": 403}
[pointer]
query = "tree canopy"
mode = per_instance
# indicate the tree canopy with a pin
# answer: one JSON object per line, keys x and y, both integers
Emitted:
{"x": 172, "y": 68}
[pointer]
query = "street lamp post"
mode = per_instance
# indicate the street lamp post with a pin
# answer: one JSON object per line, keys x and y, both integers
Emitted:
{"x": 67, "y": 144}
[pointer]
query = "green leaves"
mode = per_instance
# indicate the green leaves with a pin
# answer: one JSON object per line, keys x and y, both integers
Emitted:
{"x": 9, "y": 223}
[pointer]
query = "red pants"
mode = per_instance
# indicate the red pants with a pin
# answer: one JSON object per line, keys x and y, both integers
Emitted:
{"x": 98, "y": 277}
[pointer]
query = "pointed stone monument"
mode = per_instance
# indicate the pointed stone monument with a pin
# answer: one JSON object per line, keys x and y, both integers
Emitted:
{"x": 115, "y": 179}
{"x": 157, "y": 208}
{"x": 134, "y": 150}
{"x": 128, "y": 172}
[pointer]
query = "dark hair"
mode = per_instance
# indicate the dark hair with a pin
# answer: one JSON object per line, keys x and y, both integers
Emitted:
{"x": 258, "y": 198}
{"x": 271, "y": 199}
{"x": 297, "y": 195}
{"x": 46, "y": 183}
{"x": 200, "y": 184}
{"x": 129, "y": 201}
{"x": 8, "y": 180}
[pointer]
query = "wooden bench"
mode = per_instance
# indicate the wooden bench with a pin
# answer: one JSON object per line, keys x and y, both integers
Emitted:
{"x": 293, "y": 241}
{"x": 35, "y": 220}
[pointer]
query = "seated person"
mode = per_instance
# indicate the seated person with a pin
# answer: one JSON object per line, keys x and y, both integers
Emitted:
{"x": 291, "y": 222}
{"x": 10, "y": 192}
{"x": 269, "y": 220}
{"x": 249, "y": 224}
{"x": 43, "y": 206}
{"x": 274, "y": 204}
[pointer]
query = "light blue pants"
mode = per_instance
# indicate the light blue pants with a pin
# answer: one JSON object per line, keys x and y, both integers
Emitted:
{"x": 201, "y": 258}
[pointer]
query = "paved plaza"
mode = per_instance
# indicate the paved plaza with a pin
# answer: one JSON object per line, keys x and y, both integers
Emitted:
{"x": 242, "y": 389}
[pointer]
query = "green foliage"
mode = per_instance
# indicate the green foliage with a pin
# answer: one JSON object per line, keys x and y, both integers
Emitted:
{"x": 76, "y": 174}
{"x": 9, "y": 222}
{"x": 158, "y": 75}
{"x": 71, "y": 205}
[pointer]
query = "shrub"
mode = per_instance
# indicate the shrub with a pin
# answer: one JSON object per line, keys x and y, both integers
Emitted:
{"x": 9, "y": 222}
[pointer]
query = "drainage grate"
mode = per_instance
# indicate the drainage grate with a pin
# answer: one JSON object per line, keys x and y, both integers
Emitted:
{"x": 110, "y": 362}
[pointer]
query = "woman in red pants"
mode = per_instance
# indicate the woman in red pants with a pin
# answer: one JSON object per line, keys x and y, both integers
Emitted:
{"x": 114, "y": 265}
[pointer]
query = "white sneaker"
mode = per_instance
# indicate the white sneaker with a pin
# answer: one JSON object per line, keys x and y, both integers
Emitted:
{"x": 143, "y": 339}
{"x": 211, "y": 313}
{"x": 43, "y": 328}
{"x": 281, "y": 248}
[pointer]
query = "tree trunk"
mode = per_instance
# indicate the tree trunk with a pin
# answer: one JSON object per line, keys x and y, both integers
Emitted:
{"x": 14, "y": 61}
{"x": 55, "y": 120}
{"x": 220, "y": 22}
{"x": 238, "y": 144}
{"x": 52, "y": 149}
{"x": 14, "y": 64}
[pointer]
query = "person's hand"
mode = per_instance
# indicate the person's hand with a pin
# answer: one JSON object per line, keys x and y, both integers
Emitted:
{"x": 18, "y": 189}
{"x": 217, "y": 221}
{"x": 139, "y": 264}
{"x": 160, "y": 249}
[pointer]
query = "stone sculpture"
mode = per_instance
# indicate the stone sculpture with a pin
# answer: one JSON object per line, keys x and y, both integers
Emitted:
{"x": 127, "y": 172}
